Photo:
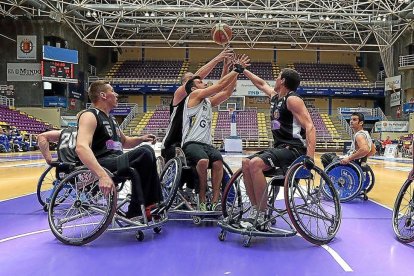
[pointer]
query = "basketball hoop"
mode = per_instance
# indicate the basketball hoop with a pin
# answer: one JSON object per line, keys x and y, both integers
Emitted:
{"x": 231, "y": 110}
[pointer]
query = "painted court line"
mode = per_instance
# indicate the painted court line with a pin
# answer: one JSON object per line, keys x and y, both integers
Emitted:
{"x": 24, "y": 235}
{"x": 345, "y": 266}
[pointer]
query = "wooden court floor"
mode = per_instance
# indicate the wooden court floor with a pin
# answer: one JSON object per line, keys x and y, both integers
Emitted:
{"x": 19, "y": 173}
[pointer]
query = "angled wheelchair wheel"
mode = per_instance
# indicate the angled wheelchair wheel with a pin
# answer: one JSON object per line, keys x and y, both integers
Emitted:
{"x": 45, "y": 185}
{"x": 79, "y": 212}
{"x": 347, "y": 180}
{"x": 170, "y": 180}
{"x": 316, "y": 217}
{"x": 235, "y": 202}
{"x": 403, "y": 213}
{"x": 369, "y": 181}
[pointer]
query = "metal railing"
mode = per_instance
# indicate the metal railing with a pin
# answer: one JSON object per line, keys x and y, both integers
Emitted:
{"x": 130, "y": 116}
{"x": 406, "y": 61}
{"x": 6, "y": 101}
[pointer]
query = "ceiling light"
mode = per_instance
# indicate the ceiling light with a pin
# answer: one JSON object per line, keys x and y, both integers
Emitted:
{"x": 264, "y": 16}
{"x": 211, "y": 15}
{"x": 270, "y": 16}
{"x": 205, "y": 15}
{"x": 88, "y": 14}
{"x": 327, "y": 18}
{"x": 94, "y": 14}
{"x": 146, "y": 14}
{"x": 153, "y": 14}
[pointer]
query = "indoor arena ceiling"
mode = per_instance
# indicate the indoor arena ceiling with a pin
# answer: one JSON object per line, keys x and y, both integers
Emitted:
{"x": 354, "y": 25}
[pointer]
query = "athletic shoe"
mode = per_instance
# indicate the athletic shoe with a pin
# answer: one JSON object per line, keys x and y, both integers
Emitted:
{"x": 203, "y": 207}
{"x": 216, "y": 207}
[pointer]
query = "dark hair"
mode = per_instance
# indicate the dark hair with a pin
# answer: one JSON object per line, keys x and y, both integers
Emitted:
{"x": 190, "y": 84}
{"x": 360, "y": 116}
{"x": 292, "y": 78}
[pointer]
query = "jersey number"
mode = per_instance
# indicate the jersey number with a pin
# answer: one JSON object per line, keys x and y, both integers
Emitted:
{"x": 68, "y": 140}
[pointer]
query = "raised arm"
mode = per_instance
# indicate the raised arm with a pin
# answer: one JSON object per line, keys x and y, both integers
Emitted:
{"x": 223, "y": 95}
{"x": 301, "y": 114}
{"x": 260, "y": 83}
{"x": 43, "y": 141}
{"x": 242, "y": 62}
{"x": 206, "y": 68}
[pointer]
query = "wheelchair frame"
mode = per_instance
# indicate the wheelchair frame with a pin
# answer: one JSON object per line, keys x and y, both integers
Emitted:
{"x": 297, "y": 197}
{"x": 403, "y": 211}
{"x": 79, "y": 190}
{"x": 181, "y": 201}
{"x": 350, "y": 181}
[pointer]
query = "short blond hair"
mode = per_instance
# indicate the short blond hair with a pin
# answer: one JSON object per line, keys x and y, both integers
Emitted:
{"x": 95, "y": 88}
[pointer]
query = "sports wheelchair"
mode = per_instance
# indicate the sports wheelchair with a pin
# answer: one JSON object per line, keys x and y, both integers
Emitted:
{"x": 314, "y": 217}
{"x": 350, "y": 181}
{"x": 79, "y": 212}
{"x": 180, "y": 186}
{"x": 403, "y": 212}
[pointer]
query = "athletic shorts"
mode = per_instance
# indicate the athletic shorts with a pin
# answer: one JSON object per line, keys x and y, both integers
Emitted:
{"x": 281, "y": 157}
{"x": 195, "y": 151}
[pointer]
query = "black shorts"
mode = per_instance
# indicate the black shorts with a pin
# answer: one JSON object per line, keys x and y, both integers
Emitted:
{"x": 278, "y": 157}
{"x": 195, "y": 151}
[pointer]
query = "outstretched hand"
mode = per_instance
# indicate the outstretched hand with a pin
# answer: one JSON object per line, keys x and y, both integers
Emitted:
{"x": 243, "y": 60}
{"x": 227, "y": 53}
{"x": 149, "y": 138}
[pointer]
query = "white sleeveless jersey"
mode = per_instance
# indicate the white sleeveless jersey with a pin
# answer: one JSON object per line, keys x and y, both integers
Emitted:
{"x": 367, "y": 137}
{"x": 197, "y": 122}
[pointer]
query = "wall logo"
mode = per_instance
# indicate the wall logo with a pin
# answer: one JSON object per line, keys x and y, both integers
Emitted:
{"x": 26, "y": 47}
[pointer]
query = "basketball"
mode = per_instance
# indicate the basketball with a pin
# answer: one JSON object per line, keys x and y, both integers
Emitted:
{"x": 221, "y": 33}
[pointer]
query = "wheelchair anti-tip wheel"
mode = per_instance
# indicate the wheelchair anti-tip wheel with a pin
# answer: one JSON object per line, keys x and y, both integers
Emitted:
{"x": 79, "y": 212}
{"x": 403, "y": 213}
{"x": 316, "y": 217}
{"x": 347, "y": 180}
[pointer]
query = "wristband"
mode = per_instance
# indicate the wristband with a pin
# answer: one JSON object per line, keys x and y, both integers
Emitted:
{"x": 238, "y": 68}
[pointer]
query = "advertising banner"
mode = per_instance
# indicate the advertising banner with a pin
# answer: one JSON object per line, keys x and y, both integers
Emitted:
{"x": 393, "y": 83}
{"x": 54, "y": 101}
{"x": 395, "y": 99}
{"x": 26, "y": 47}
{"x": 391, "y": 126}
{"x": 24, "y": 72}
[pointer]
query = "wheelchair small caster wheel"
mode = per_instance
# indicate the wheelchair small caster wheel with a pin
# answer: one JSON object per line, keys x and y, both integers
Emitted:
{"x": 157, "y": 230}
{"x": 222, "y": 236}
{"x": 246, "y": 241}
{"x": 59, "y": 229}
{"x": 196, "y": 220}
{"x": 139, "y": 236}
{"x": 45, "y": 208}
{"x": 273, "y": 221}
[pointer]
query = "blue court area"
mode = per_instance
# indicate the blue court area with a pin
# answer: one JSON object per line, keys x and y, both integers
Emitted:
{"x": 364, "y": 245}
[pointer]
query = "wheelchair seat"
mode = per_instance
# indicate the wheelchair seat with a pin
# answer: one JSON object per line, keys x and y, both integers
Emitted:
{"x": 182, "y": 188}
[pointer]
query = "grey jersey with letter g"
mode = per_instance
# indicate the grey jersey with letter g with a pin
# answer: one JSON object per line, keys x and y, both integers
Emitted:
{"x": 197, "y": 122}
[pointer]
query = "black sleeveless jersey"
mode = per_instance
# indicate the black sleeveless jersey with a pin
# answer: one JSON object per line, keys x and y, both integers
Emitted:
{"x": 107, "y": 137}
{"x": 285, "y": 128}
{"x": 67, "y": 144}
{"x": 174, "y": 133}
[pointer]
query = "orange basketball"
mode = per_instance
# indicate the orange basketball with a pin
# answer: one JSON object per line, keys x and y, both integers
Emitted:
{"x": 221, "y": 33}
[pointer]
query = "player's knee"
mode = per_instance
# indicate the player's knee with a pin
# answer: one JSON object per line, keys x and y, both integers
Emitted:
{"x": 202, "y": 164}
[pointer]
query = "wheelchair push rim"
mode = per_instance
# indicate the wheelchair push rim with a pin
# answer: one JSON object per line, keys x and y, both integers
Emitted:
{"x": 346, "y": 179}
{"x": 403, "y": 213}
{"x": 316, "y": 217}
{"x": 170, "y": 179}
{"x": 84, "y": 213}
